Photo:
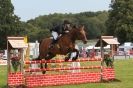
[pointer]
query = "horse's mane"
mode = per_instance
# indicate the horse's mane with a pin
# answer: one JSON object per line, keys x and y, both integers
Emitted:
{"x": 72, "y": 32}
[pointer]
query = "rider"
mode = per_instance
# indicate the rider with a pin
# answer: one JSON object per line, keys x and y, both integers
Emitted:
{"x": 59, "y": 30}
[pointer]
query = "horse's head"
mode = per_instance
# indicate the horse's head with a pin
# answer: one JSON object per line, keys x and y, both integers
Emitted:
{"x": 80, "y": 34}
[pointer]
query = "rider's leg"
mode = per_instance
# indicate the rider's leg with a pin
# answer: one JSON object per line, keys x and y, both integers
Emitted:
{"x": 55, "y": 36}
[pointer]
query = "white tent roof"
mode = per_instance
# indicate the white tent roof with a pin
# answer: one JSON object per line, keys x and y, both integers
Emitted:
{"x": 111, "y": 41}
{"x": 17, "y": 42}
{"x": 107, "y": 40}
{"x": 91, "y": 47}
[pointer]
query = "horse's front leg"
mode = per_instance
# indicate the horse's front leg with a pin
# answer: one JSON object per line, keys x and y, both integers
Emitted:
{"x": 44, "y": 71}
{"x": 72, "y": 55}
{"x": 68, "y": 57}
{"x": 75, "y": 54}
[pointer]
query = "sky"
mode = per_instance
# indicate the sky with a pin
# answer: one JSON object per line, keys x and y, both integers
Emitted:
{"x": 29, "y": 9}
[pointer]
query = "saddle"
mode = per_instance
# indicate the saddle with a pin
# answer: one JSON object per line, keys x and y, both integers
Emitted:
{"x": 54, "y": 43}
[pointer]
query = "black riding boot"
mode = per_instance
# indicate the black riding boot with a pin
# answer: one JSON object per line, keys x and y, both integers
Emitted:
{"x": 53, "y": 43}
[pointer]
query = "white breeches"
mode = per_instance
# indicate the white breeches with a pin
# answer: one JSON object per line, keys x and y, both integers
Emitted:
{"x": 55, "y": 35}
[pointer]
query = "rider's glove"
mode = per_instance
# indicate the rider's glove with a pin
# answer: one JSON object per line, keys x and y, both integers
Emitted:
{"x": 66, "y": 31}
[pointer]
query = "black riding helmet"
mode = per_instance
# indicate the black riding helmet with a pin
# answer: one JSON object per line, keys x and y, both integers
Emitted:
{"x": 66, "y": 22}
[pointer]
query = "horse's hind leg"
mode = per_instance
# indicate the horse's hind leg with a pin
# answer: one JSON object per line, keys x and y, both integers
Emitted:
{"x": 50, "y": 56}
{"x": 44, "y": 71}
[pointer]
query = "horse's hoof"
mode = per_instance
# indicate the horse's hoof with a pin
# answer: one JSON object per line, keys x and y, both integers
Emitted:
{"x": 43, "y": 72}
{"x": 74, "y": 59}
{"x": 66, "y": 59}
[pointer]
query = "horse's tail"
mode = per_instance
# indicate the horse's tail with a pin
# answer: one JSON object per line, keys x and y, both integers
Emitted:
{"x": 40, "y": 42}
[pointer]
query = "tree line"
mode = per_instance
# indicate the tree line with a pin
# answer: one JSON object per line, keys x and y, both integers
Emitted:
{"x": 94, "y": 23}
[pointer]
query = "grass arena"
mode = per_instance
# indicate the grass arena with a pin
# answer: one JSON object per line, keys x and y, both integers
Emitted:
{"x": 123, "y": 72}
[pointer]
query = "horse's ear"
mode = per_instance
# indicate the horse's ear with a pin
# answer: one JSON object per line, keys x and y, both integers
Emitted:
{"x": 75, "y": 26}
{"x": 81, "y": 26}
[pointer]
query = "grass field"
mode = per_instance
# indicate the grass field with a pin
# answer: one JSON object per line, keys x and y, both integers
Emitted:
{"x": 123, "y": 70}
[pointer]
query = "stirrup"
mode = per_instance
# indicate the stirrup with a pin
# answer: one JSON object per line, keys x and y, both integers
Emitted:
{"x": 51, "y": 46}
{"x": 58, "y": 45}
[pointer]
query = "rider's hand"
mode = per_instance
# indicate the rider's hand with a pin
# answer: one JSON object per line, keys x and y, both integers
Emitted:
{"x": 66, "y": 31}
{"x": 60, "y": 35}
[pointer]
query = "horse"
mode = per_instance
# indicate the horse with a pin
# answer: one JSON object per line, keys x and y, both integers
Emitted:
{"x": 64, "y": 46}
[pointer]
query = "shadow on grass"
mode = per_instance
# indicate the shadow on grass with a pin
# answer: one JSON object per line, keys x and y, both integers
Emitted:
{"x": 19, "y": 86}
{"x": 23, "y": 86}
{"x": 113, "y": 80}
{"x": 3, "y": 87}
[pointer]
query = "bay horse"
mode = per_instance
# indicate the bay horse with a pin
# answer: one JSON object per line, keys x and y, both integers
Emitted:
{"x": 64, "y": 46}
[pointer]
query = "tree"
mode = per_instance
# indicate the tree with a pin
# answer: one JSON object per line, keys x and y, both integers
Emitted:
{"x": 9, "y": 22}
{"x": 120, "y": 21}
{"x": 35, "y": 33}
